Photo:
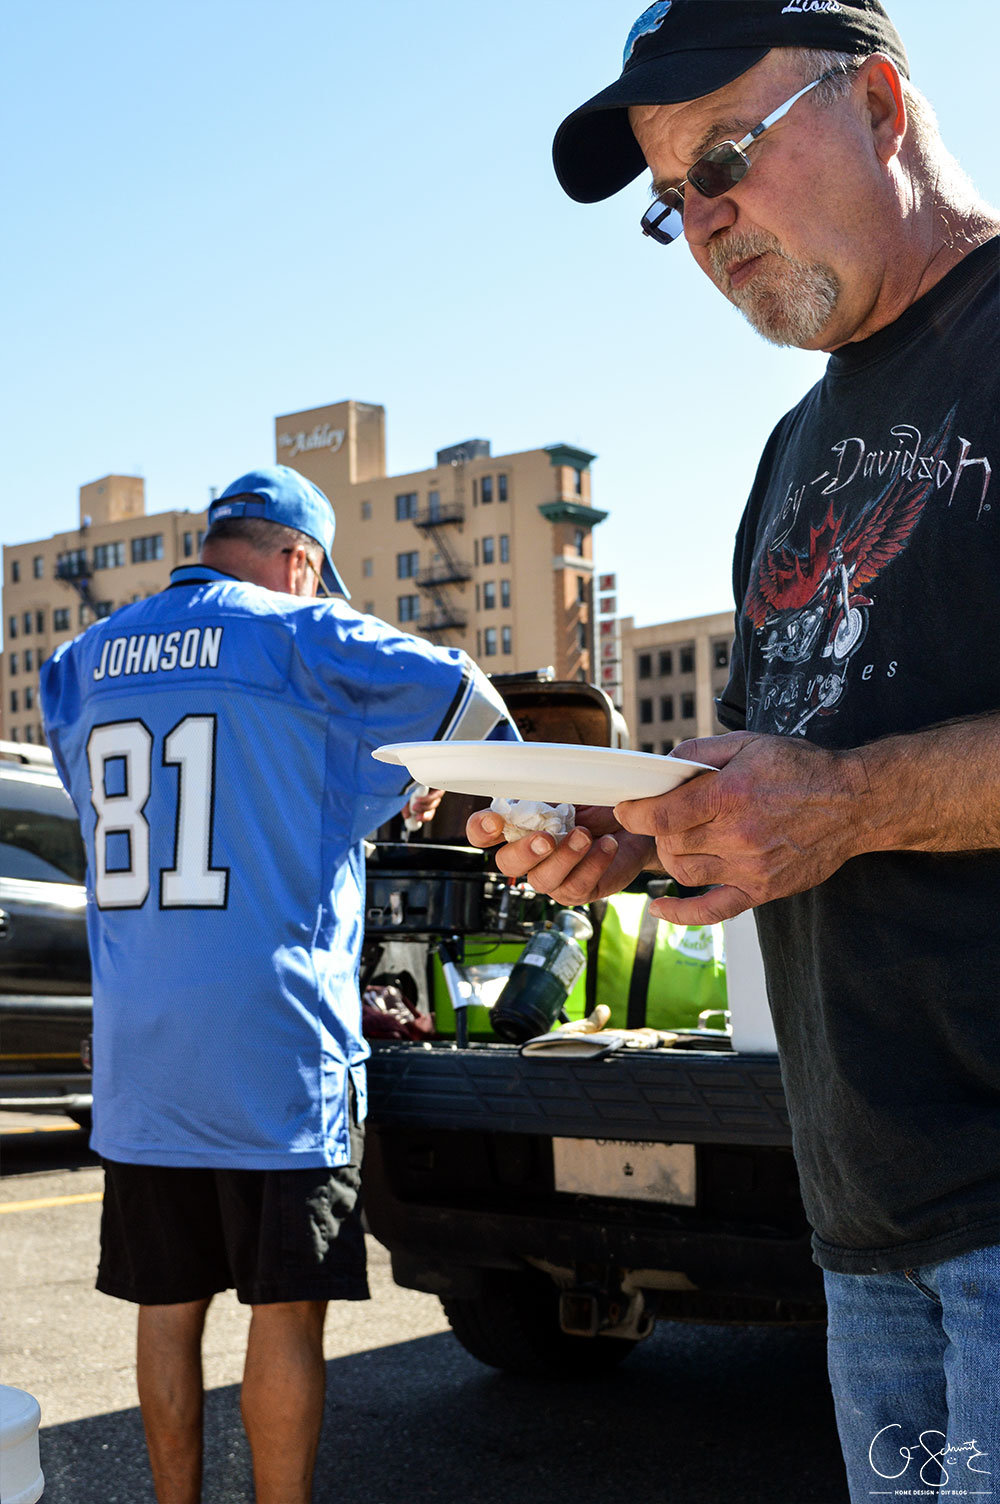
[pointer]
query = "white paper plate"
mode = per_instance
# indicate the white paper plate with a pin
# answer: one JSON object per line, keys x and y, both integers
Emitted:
{"x": 550, "y": 771}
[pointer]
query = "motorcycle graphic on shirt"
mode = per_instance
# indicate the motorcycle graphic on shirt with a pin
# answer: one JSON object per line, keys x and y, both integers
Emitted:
{"x": 811, "y": 603}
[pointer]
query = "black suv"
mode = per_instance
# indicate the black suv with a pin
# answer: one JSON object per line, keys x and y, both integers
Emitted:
{"x": 45, "y": 1002}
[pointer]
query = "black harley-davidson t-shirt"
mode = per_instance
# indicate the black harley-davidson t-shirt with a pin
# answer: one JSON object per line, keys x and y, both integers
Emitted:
{"x": 867, "y": 581}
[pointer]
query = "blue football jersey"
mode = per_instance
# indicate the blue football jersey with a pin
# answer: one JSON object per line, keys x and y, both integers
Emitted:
{"x": 216, "y": 740}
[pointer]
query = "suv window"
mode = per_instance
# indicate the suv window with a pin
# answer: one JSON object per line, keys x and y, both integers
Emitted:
{"x": 39, "y": 834}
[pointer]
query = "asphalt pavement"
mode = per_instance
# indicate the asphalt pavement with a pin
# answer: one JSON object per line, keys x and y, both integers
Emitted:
{"x": 697, "y": 1415}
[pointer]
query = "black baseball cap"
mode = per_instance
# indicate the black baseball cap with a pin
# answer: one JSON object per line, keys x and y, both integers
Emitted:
{"x": 683, "y": 49}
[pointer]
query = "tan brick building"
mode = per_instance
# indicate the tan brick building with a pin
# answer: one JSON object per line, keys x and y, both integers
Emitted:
{"x": 489, "y": 553}
{"x": 54, "y": 587}
{"x": 671, "y": 674}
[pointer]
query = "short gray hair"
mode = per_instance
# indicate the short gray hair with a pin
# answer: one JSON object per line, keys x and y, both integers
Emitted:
{"x": 265, "y": 537}
{"x": 932, "y": 167}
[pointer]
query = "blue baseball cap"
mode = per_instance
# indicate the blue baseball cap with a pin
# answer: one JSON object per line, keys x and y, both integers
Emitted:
{"x": 280, "y": 494}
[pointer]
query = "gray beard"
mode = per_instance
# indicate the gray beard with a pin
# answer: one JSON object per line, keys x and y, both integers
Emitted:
{"x": 789, "y": 303}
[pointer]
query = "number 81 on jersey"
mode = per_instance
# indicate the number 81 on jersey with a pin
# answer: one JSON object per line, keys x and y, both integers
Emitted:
{"x": 120, "y": 755}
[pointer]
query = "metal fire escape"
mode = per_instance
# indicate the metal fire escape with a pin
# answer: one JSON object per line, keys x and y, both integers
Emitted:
{"x": 436, "y": 522}
{"x": 75, "y": 571}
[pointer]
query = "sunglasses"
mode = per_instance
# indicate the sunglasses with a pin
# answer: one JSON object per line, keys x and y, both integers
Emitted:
{"x": 321, "y": 589}
{"x": 715, "y": 173}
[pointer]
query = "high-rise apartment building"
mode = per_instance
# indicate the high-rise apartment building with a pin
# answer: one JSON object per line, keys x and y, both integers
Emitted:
{"x": 54, "y": 587}
{"x": 491, "y": 553}
{"x": 671, "y": 675}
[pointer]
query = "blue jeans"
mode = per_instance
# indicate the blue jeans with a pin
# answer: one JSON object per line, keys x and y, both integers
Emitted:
{"x": 914, "y": 1362}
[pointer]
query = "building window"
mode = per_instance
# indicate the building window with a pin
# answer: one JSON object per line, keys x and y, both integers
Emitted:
{"x": 434, "y": 503}
{"x": 720, "y": 654}
{"x": 12, "y": 624}
{"x": 666, "y": 707}
{"x": 505, "y": 593}
{"x": 83, "y": 611}
{"x": 486, "y": 490}
{"x": 504, "y": 548}
{"x": 687, "y": 707}
{"x": 15, "y": 571}
{"x": 14, "y": 704}
{"x": 29, "y": 733}
{"x": 29, "y": 698}
{"x": 666, "y": 662}
{"x": 29, "y": 661}
{"x": 645, "y": 712}
{"x": 60, "y": 619}
{"x": 12, "y": 661}
{"x": 687, "y": 660}
{"x": 645, "y": 666}
{"x": 103, "y": 609}
{"x": 647, "y": 747}
{"x": 39, "y": 621}
{"x": 501, "y": 488}
{"x": 38, "y": 565}
{"x": 578, "y": 540}
{"x": 578, "y": 482}
{"x": 112, "y": 555}
{"x": 407, "y": 564}
{"x": 366, "y": 511}
{"x": 148, "y": 548}
{"x": 406, "y": 506}
{"x": 581, "y": 636}
{"x": 188, "y": 545}
{"x": 367, "y": 568}
{"x": 409, "y": 607}
{"x": 506, "y": 640}
{"x": 28, "y": 619}
{"x": 488, "y": 551}
{"x": 581, "y": 589}
{"x": 667, "y": 747}
{"x": 490, "y": 642}
{"x": 489, "y": 596}
{"x": 72, "y": 563}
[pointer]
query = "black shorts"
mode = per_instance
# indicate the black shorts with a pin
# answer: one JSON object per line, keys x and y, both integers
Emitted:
{"x": 170, "y": 1235}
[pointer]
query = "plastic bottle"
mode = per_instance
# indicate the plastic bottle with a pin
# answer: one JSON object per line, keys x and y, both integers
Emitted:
{"x": 542, "y": 978}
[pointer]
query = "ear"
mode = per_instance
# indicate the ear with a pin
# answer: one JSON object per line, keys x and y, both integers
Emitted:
{"x": 886, "y": 109}
{"x": 294, "y": 570}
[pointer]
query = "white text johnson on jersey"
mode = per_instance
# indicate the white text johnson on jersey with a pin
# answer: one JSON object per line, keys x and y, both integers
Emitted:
{"x": 155, "y": 653}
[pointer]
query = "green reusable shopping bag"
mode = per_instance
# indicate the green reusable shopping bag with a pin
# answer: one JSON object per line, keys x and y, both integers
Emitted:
{"x": 650, "y": 972}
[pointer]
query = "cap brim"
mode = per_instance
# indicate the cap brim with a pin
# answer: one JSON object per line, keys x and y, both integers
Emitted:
{"x": 595, "y": 153}
{"x": 331, "y": 579}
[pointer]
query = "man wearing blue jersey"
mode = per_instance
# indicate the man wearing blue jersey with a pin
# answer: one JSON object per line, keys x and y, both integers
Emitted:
{"x": 216, "y": 740}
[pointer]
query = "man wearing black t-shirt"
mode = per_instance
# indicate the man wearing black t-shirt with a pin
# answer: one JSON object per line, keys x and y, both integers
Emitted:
{"x": 857, "y": 806}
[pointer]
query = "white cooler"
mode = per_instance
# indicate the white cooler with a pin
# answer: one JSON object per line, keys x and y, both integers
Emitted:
{"x": 750, "y": 1016}
{"x": 21, "y": 1480}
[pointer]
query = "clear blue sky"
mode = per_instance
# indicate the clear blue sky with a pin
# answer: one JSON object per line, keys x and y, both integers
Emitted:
{"x": 218, "y": 211}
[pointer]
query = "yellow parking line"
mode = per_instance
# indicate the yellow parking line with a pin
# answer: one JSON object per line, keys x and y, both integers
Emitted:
{"x": 44, "y": 1128}
{"x": 30, "y": 1206}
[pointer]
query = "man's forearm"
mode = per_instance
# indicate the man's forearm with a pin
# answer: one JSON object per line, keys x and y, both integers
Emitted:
{"x": 933, "y": 790}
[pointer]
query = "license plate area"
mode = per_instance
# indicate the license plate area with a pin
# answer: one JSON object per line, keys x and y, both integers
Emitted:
{"x": 626, "y": 1169}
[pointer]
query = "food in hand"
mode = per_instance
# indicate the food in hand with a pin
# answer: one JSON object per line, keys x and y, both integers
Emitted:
{"x": 523, "y": 817}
